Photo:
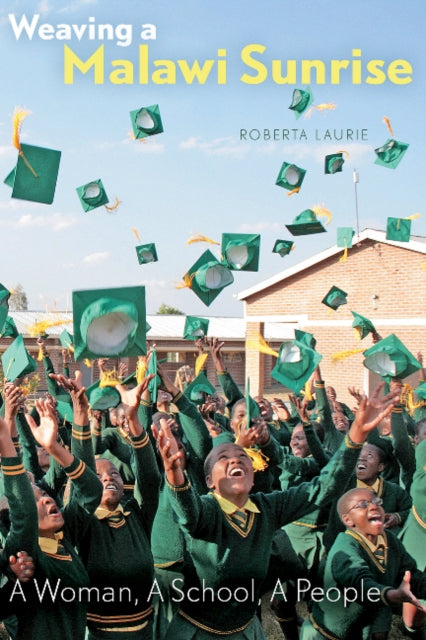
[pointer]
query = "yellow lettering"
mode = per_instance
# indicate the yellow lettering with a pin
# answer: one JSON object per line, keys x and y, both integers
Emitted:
{"x": 262, "y": 72}
{"x": 335, "y": 67}
{"x": 96, "y": 61}
{"x": 307, "y": 65}
{"x": 291, "y": 76}
{"x": 167, "y": 75}
{"x": 143, "y": 64}
{"x": 378, "y": 76}
{"x": 398, "y": 67}
{"x": 123, "y": 75}
{"x": 221, "y": 67}
{"x": 356, "y": 67}
{"x": 195, "y": 72}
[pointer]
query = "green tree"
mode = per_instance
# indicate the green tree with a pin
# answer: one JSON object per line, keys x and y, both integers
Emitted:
{"x": 165, "y": 310}
{"x": 18, "y": 300}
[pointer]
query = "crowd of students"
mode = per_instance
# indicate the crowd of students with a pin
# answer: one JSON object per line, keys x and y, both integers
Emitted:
{"x": 170, "y": 516}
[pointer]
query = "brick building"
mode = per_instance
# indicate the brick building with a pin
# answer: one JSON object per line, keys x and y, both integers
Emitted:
{"x": 385, "y": 282}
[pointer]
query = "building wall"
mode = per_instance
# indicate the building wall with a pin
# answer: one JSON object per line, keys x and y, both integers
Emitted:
{"x": 384, "y": 283}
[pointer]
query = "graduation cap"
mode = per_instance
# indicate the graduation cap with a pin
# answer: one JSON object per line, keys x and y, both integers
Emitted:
{"x": 301, "y": 101}
{"x": 197, "y": 389}
{"x": 420, "y": 391}
{"x": 363, "y": 326}
{"x": 305, "y": 338}
{"x": 102, "y": 397}
{"x": 109, "y": 322}
{"x": 195, "y": 328}
{"x": 305, "y": 223}
{"x": 35, "y": 174}
{"x": 240, "y": 251}
{"x": 335, "y": 298}
{"x": 66, "y": 340}
{"x": 9, "y": 329}
{"x": 16, "y": 361}
{"x": 295, "y": 364}
{"x": 92, "y": 195}
{"x": 4, "y": 304}
{"x": 391, "y": 153}
{"x": 207, "y": 277}
{"x": 344, "y": 237}
{"x": 334, "y": 162}
{"x": 146, "y": 121}
{"x": 282, "y": 247}
{"x": 389, "y": 358}
{"x": 398, "y": 229}
{"x": 290, "y": 176}
{"x": 146, "y": 253}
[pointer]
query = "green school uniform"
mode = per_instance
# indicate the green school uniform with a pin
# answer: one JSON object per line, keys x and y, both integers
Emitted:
{"x": 413, "y": 534}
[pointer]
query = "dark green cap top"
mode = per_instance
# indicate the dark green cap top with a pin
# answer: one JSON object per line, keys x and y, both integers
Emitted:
{"x": 195, "y": 328}
{"x": 283, "y": 247}
{"x": 35, "y": 175}
{"x": 305, "y": 224}
{"x": 398, "y": 229}
{"x": 16, "y": 360}
{"x": 391, "y": 153}
{"x": 146, "y": 253}
{"x": 290, "y": 176}
{"x": 335, "y": 298}
{"x": 333, "y": 163}
{"x": 146, "y": 121}
{"x": 301, "y": 101}
{"x": 240, "y": 251}
{"x": 92, "y": 195}
{"x": 390, "y": 358}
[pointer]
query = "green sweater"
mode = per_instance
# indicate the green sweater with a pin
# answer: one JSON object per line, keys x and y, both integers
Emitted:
{"x": 40, "y": 614}
{"x": 351, "y": 564}
{"x": 223, "y": 557}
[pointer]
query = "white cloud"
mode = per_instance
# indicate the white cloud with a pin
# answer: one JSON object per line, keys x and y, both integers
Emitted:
{"x": 157, "y": 284}
{"x": 43, "y": 7}
{"x": 96, "y": 258}
{"x": 259, "y": 227}
{"x": 226, "y": 146}
{"x": 145, "y": 145}
{"x": 55, "y": 222}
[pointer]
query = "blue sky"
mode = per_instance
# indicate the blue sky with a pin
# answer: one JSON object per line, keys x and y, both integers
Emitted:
{"x": 199, "y": 176}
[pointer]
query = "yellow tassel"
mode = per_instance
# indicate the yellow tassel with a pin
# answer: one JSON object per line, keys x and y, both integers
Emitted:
{"x": 140, "y": 370}
{"x": 357, "y": 333}
{"x": 200, "y": 362}
{"x": 308, "y": 394}
{"x": 109, "y": 378}
{"x": 187, "y": 282}
{"x": 40, "y": 355}
{"x": 19, "y": 116}
{"x": 414, "y": 216}
{"x": 320, "y": 107}
{"x": 345, "y": 153}
{"x": 87, "y": 362}
{"x": 135, "y": 231}
{"x": 322, "y": 212}
{"x": 115, "y": 206}
{"x": 423, "y": 265}
{"x": 198, "y": 237}
{"x": 344, "y": 255}
{"x": 388, "y": 124}
{"x": 341, "y": 355}
{"x": 262, "y": 346}
{"x": 290, "y": 193}
{"x": 259, "y": 461}
{"x": 39, "y": 328}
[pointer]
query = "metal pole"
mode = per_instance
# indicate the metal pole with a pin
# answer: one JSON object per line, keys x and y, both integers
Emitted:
{"x": 356, "y": 180}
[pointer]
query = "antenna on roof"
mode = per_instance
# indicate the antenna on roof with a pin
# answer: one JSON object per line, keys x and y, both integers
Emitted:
{"x": 356, "y": 180}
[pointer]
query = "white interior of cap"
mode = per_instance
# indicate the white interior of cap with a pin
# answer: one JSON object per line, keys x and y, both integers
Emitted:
{"x": 381, "y": 364}
{"x": 292, "y": 175}
{"x": 147, "y": 256}
{"x": 290, "y": 353}
{"x": 92, "y": 190}
{"x": 237, "y": 256}
{"x": 109, "y": 334}
{"x": 197, "y": 332}
{"x": 218, "y": 277}
{"x": 297, "y": 96}
{"x": 144, "y": 120}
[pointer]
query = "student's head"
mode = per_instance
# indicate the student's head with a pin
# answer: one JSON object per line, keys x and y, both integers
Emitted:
{"x": 420, "y": 430}
{"x": 238, "y": 414}
{"x": 157, "y": 419}
{"x": 112, "y": 483}
{"x": 219, "y": 402}
{"x": 371, "y": 463}
{"x": 340, "y": 421}
{"x": 265, "y": 407}
{"x": 163, "y": 398}
{"x": 331, "y": 393}
{"x": 50, "y": 519}
{"x": 361, "y": 510}
{"x": 122, "y": 419}
{"x": 43, "y": 458}
{"x": 113, "y": 418}
{"x": 298, "y": 442}
{"x": 229, "y": 472}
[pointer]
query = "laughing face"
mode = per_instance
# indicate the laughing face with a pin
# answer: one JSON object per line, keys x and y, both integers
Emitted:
{"x": 229, "y": 473}
{"x": 298, "y": 443}
{"x": 112, "y": 483}
{"x": 50, "y": 518}
{"x": 369, "y": 464}
{"x": 363, "y": 514}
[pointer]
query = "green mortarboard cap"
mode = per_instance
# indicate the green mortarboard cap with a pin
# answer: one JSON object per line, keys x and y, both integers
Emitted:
{"x": 398, "y": 229}
{"x": 335, "y": 298}
{"x": 198, "y": 387}
{"x": 391, "y": 153}
{"x": 66, "y": 339}
{"x": 290, "y": 176}
{"x": 109, "y": 322}
{"x": 334, "y": 163}
{"x": 16, "y": 360}
{"x": 240, "y": 251}
{"x": 302, "y": 99}
{"x": 9, "y": 329}
{"x": 207, "y": 277}
{"x": 252, "y": 408}
{"x": 146, "y": 253}
{"x": 102, "y": 397}
{"x": 65, "y": 409}
{"x": 305, "y": 223}
{"x": 4, "y": 304}
{"x": 295, "y": 364}
{"x": 195, "y": 328}
{"x": 34, "y": 177}
{"x": 156, "y": 380}
{"x": 92, "y": 195}
{"x": 146, "y": 121}
{"x": 364, "y": 326}
{"x": 282, "y": 247}
{"x": 344, "y": 237}
{"x": 390, "y": 358}
{"x": 305, "y": 338}
{"x": 421, "y": 390}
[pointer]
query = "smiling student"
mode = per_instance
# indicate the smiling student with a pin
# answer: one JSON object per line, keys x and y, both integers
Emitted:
{"x": 229, "y": 532}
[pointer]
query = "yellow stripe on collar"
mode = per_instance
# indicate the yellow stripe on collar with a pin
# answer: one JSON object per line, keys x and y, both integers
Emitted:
{"x": 229, "y": 507}
{"x": 101, "y": 513}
